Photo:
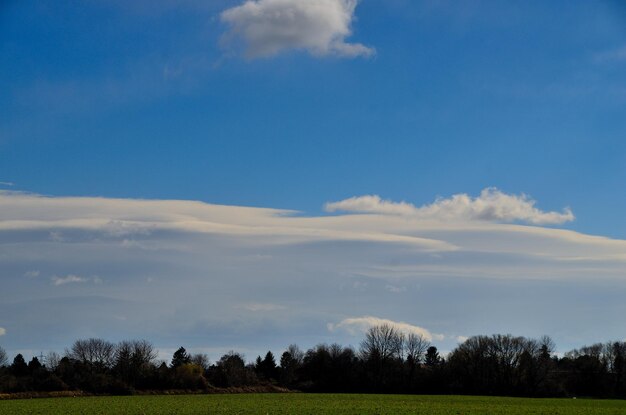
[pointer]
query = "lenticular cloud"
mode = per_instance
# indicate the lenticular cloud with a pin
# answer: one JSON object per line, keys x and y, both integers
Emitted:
{"x": 356, "y": 325}
{"x": 268, "y": 27}
{"x": 492, "y": 205}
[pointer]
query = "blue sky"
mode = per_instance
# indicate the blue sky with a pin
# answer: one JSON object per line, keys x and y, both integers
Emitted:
{"x": 287, "y": 104}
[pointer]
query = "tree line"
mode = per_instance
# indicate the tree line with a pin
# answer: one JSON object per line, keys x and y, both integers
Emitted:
{"x": 387, "y": 361}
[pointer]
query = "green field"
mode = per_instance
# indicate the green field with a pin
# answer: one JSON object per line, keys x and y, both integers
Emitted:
{"x": 310, "y": 404}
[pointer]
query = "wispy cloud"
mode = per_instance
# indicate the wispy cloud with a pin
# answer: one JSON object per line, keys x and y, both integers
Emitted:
{"x": 68, "y": 279}
{"x": 490, "y": 205}
{"x": 31, "y": 274}
{"x": 75, "y": 279}
{"x": 9, "y": 184}
{"x": 268, "y": 27}
{"x": 360, "y": 325}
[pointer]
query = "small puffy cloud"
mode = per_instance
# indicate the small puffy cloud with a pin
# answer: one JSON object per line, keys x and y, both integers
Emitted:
{"x": 69, "y": 279}
{"x": 356, "y": 325}
{"x": 268, "y": 27}
{"x": 494, "y": 205}
{"x": 461, "y": 339}
{"x": 371, "y": 204}
{"x": 31, "y": 274}
{"x": 3, "y": 331}
{"x": 491, "y": 205}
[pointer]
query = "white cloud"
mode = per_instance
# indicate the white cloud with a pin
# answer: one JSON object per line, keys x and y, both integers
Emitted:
{"x": 115, "y": 218}
{"x": 31, "y": 274}
{"x": 69, "y": 279}
{"x": 268, "y": 27}
{"x": 7, "y": 184}
{"x": 360, "y": 325}
{"x": 185, "y": 260}
{"x": 3, "y": 331}
{"x": 491, "y": 205}
{"x": 458, "y": 224}
{"x": 371, "y": 204}
{"x": 461, "y": 339}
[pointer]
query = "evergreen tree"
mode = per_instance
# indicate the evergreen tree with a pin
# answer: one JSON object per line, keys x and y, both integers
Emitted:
{"x": 432, "y": 357}
{"x": 34, "y": 365}
{"x": 19, "y": 366}
{"x": 180, "y": 357}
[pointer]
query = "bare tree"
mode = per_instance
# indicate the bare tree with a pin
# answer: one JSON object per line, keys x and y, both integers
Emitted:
{"x": 507, "y": 349}
{"x": 546, "y": 346}
{"x": 415, "y": 346}
{"x": 131, "y": 358}
{"x": 383, "y": 342}
{"x": 297, "y": 355}
{"x": 3, "y": 358}
{"x": 135, "y": 352}
{"x": 234, "y": 371}
{"x": 52, "y": 360}
{"x": 96, "y": 352}
{"x": 201, "y": 360}
{"x": 335, "y": 350}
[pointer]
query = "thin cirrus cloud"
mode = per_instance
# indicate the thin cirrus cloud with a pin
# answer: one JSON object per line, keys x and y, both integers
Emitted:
{"x": 268, "y": 27}
{"x": 355, "y": 325}
{"x": 74, "y": 279}
{"x": 68, "y": 279}
{"x": 490, "y": 205}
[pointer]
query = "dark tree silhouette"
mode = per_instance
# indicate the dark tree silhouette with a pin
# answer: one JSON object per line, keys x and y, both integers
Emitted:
{"x": 432, "y": 357}
{"x": 387, "y": 362}
{"x": 98, "y": 354}
{"x": 180, "y": 357}
{"x": 132, "y": 360}
{"x": 202, "y": 360}
{"x": 231, "y": 370}
{"x": 266, "y": 368}
{"x": 34, "y": 365}
{"x": 382, "y": 342}
{"x": 19, "y": 366}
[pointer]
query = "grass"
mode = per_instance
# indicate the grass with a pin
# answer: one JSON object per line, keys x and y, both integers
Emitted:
{"x": 311, "y": 404}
